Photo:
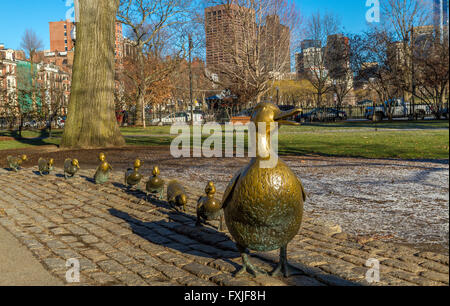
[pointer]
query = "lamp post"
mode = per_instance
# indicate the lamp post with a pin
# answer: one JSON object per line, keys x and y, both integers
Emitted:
{"x": 410, "y": 38}
{"x": 190, "y": 78}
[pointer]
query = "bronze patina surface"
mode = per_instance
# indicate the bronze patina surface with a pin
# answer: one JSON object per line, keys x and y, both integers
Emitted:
{"x": 132, "y": 176}
{"x": 15, "y": 162}
{"x": 176, "y": 195}
{"x": 71, "y": 167}
{"x": 264, "y": 206}
{"x": 45, "y": 167}
{"x": 155, "y": 184}
{"x": 208, "y": 208}
{"x": 101, "y": 175}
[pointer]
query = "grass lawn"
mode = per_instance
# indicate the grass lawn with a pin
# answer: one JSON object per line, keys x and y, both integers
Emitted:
{"x": 402, "y": 139}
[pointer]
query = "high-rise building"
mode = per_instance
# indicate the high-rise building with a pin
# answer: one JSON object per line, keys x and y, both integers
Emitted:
{"x": 337, "y": 54}
{"x": 61, "y": 39}
{"x": 276, "y": 45}
{"x": 222, "y": 26}
{"x": 310, "y": 58}
{"x": 232, "y": 28}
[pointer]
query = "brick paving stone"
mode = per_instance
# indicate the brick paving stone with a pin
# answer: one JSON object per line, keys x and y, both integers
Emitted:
{"x": 190, "y": 280}
{"x": 119, "y": 242}
{"x": 200, "y": 270}
{"x": 87, "y": 266}
{"x": 111, "y": 266}
{"x": 121, "y": 258}
{"x": 443, "y": 259}
{"x": 174, "y": 259}
{"x": 402, "y": 265}
{"x": 89, "y": 239}
{"x": 132, "y": 279}
{"x": 145, "y": 271}
{"x": 435, "y": 276}
{"x": 431, "y": 265}
{"x": 171, "y": 272}
{"x": 32, "y": 244}
{"x": 265, "y": 280}
{"x": 102, "y": 278}
{"x": 94, "y": 255}
{"x": 68, "y": 239}
{"x": 223, "y": 265}
{"x": 55, "y": 244}
{"x": 304, "y": 281}
{"x": 42, "y": 253}
{"x": 66, "y": 253}
{"x": 55, "y": 264}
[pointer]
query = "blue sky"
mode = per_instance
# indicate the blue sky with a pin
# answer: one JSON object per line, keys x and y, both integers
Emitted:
{"x": 18, "y": 15}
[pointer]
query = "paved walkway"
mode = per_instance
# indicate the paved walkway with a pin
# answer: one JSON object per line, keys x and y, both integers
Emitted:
{"x": 119, "y": 238}
{"x": 18, "y": 267}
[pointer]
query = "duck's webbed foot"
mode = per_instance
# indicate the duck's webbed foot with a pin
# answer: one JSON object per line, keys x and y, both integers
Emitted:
{"x": 284, "y": 268}
{"x": 248, "y": 267}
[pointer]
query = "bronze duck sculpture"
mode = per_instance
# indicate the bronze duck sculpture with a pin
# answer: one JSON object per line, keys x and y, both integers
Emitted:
{"x": 176, "y": 195}
{"x": 16, "y": 162}
{"x": 45, "y": 167}
{"x": 263, "y": 206}
{"x": 155, "y": 184}
{"x": 208, "y": 208}
{"x": 132, "y": 176}
{"x": 71, "y": 167}
{"x": 101, "y": 175}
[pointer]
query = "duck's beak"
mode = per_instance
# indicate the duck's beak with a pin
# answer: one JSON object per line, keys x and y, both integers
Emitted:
{"x": 280, "y": 118}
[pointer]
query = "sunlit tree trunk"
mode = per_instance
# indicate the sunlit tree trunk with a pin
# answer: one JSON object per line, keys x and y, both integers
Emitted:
{"x": 91, "y": 120}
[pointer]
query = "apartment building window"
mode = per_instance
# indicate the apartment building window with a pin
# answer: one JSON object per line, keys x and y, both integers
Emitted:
{"x": 65, "y": 26}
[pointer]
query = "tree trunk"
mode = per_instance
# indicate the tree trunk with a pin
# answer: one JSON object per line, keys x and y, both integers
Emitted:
{"x": 91, "y": 120}
{"x": 140, "y": 109}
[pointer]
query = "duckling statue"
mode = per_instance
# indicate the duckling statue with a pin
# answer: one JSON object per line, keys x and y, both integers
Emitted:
{"x": 16, "y": 162}
{"x": 71, "y": 167}
{"x": 155, "y": 184}
{"x": 208, "y": 208}
{"x": 176, "y": 195}
{"x": 132, "y": 176}
{"x": 45, "y": 166}
{"x": 263, "y": 206}
{"x": 101, "y": 175}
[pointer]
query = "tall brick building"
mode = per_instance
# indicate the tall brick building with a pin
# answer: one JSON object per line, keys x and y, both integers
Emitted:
{"x": 220, "y": 23}
{"x": 229, "y": 27}
{"x": 60, "y": 36}
{"x": 276, "y": 43}
{"x": 61, "y": 40}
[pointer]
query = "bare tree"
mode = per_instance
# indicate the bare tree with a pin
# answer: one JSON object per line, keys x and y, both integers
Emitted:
{"x": 91, "y": 119}
{"x": 151, "y": 24}
{"x": 402, "y": 17}
{"x": 375, "y": 62}
{"x": 314, "y": 55}
{"x": 31, "y": 43}
{"x": 430, "y": 57}
{"x": 255, "y": 45}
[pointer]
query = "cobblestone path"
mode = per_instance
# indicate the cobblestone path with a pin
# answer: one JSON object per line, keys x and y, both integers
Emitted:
{"x": 122, "y": 239}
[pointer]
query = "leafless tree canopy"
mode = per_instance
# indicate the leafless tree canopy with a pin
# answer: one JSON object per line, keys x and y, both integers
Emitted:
{"x": 156, "y": 31}
{"x": 31, "y": 43}
{"x": 252, "y": 45}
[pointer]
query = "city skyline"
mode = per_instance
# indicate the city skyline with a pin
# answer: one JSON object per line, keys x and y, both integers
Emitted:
{"x": 39, "y": 14}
